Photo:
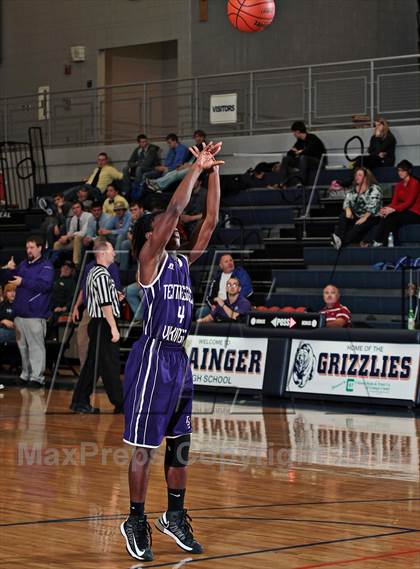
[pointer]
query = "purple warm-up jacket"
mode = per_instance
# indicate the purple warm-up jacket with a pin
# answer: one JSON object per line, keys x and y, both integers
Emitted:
{"x": 33, "y": 295}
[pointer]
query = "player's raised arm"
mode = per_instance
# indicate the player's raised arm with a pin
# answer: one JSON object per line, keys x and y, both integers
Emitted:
{"x": 202, "y": 235}
{"x": 165, "y": 224}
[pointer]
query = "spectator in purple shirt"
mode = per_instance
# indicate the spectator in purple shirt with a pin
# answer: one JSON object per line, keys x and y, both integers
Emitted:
{"x": 232, "y": 308}
{"x": 34, "y": 278}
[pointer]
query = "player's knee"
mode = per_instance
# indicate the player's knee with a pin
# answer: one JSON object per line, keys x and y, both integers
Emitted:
{"x": 141, "y": 458}
{"x": 177, "y": 451}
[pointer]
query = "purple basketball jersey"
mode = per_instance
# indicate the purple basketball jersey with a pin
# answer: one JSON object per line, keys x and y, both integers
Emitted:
{"x": 168, "y": 302}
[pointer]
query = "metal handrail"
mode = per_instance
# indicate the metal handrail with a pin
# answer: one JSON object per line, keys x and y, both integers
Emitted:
{"x": 21, "y": 110}
{"x": 226, "y": 74}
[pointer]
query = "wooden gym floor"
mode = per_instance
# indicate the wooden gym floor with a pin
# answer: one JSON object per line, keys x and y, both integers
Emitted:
{"x": 295, "y": 488}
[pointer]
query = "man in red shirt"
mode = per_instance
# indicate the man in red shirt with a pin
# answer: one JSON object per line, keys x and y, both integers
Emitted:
{"x": 404, "y": 208}
{"x": 336, "y": 315}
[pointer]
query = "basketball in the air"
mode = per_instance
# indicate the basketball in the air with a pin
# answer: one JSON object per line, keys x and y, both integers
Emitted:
{"x": 251, "y": 15}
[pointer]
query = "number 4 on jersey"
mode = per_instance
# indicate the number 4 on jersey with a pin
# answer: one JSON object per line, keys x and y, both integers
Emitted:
{"x": 181, "y": 313}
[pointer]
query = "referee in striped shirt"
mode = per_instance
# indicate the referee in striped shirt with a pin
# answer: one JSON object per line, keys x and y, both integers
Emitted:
{"x": 103, "y": 358}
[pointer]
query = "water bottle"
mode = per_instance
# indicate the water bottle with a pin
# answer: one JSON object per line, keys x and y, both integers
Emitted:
{"x": 411, "y": 320}
{"x": 390, "y": 240}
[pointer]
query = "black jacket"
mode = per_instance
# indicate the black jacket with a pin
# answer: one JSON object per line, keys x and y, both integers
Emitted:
{"x": 311, "y": 146}
{"x": 63, "y": 291}
{"x": 6, "y": 311}
{"x": 151, "y": 158}
{"x": 387, "y": 144}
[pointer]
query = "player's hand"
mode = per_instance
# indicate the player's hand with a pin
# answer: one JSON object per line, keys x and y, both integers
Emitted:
{"x": 11, "y": 265}
{"x": 206, "y": 158}
{"x": 75, "y": 315}
{"x": 115, "y": 335}
{"x": 219, "y": 301}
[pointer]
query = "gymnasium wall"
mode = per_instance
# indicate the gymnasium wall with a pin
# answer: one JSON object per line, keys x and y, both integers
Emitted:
{"x": 36, "y": 36}
{"x": 305, "y": 32}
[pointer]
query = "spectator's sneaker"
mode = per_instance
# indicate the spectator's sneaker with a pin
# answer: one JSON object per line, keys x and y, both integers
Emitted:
{"x": 138, "y": 537}
{"x": 177, "y": 525}
{"x": 43, "y": 204}
{"x": 336, "y": 241}
{"x": 153, "y": 186}
{"x": 377, "y": 244}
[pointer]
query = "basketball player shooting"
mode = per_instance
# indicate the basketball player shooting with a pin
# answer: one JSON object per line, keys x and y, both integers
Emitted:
{"x": 158, "y": 386}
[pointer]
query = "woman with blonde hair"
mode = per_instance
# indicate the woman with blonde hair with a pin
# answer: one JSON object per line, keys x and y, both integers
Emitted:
{"x": 361, "y": 207}
{"x": 381, "y": 147}
{"x": 7, "y": 315}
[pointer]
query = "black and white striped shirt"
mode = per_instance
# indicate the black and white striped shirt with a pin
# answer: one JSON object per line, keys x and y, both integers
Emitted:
{"x": 101, "y": 291}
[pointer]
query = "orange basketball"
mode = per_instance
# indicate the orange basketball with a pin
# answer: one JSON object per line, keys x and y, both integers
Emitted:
{"x": 251, "y": 15}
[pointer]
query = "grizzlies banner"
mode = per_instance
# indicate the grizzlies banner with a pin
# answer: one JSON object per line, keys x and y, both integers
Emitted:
{"x": 360, "y": 369}
{"x": 227, "y": 362}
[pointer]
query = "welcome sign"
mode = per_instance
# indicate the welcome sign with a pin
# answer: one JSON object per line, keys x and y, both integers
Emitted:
{"x": 359, "y": 369}
{"x": 227, "y": 362}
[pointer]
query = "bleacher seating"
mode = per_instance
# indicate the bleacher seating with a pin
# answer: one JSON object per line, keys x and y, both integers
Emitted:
{"x": 289, "y": 258}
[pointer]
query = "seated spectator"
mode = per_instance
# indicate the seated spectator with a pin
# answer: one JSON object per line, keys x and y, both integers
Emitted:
{"x": 7, "y": 315}
{"x": 193, "y": 213}
{"x": 217, "y": 287}
{"x": 61, "y": 206}
{"x": 143, "y": 160}
{"x": 118, "y": 225}
{"x": 123, "y": 244}
{"x": 381, "y": 148}
{"x": 62, "y": 295}
{"x": 404, "y": 208}
{"x": 175, "y": 176}
{"x": 227, "y": 269}
{"x": 103, "y": 175}
{"x": 73, "y": 239}
{"x": 83, "y": 198}
{"x": 55, "y": 224}
{"x": 99, "y": 220}
{"x": 96, "y": 183}
{"x": 304, "y": 157}
{"x": 257, "y": 177}
{"x": 64, "y": 288}
{"x": 232, "y": 307}
{"x": 360, "y": 209}
{"x": 112, "y": 199}
{"x": 336, "y": 315}
{"x": 177, "y": 155}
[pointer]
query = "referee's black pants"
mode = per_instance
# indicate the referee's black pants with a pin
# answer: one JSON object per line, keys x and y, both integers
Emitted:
{"x": 103, "y": 359}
